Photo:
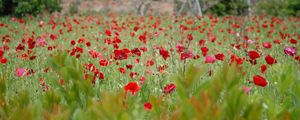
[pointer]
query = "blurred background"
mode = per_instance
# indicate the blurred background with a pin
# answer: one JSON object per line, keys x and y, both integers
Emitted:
{"x": 151, "y": 7}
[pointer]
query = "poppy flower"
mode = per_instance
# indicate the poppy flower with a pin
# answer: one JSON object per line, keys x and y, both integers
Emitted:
{"x": 149, "y": 63}
{"x": 179, "y": 48}
{"x": 253, "y": 55}
{"x": 136, "y": 51}
{"x": 142, "y": 80}
{"x": 190, "y": 37}
{"x": 41, "y": 41}
{"x": 129, "y": 66}
{"x": 277, "y": 41}
{"x": 196, "y": 57}
{"x": 164, "y": 53}
{"x": 204, "y": 50}
{"x": 133, "y": 74}
{"x": 270, "y": 60}
{"x": 1, "y": 53}
{"x": 101, "y": 76}
{"x": 31, "y": 43}
{"x": 202, "y": 42}
{"x": 162, "y": 68}
{"x": 267, "y": 45}
{"x": 260, "y": 81}
{"x": 210, "y": 59}
{"x": 293, "y": 41}
{"x": 32, "y": 57}
{"x": 88, "y": 44}
{"x": 121, "y": 54}
{"x": 251, "y": 41}
{"x": 122, "y": 70}
{"x": 236, "y": 59}
{"x": 53, "y": 37}
{"x": 220, "y": 56}
{"x": 143, "y": 38}
{"x": 132, "y": 87}
{"x": 291, "y": 51}
{"x": 169, "y": 88}
{"x": 147, "y": 106}
{"x": 263, "y": 69}
{"x": 20, "y": 72}
{"x": 20, "y": 47}
{"x": 246, "y": 89}
{"x": 108, "y": 32}
{"x": 3, "y": 60}
{"x": 103, "y": 62}
{"x": 186, "y": 55}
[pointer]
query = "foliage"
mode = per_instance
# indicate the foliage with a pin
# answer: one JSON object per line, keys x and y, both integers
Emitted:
{"x": 230, "y": 7}
{"x": 32, "y": 7}
{"x": 279, "y": 7}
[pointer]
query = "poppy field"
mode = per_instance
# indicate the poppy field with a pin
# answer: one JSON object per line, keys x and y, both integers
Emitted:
{"x": 149, "y": 67}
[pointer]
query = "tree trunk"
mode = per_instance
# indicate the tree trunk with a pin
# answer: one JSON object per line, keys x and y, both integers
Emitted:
{"x": 249, "y": 7}
{"x": 198, "y": 8}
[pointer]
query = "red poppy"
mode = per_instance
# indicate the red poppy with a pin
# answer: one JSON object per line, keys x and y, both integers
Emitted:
{"x": 196, "y": 57}
{"x": 204, "y": 50}
{"x": 108, "y": 32}
{"x": 81, "y": 40}
{"x": 88, "y": 44}
{"x": 143, "y": 48}
{"x": 220, "y": 56}
{"x": 31, "y": 43}
{"x": 234, "y": 58}
{"x": 147, "y": 106}
{"x": 297, "y": 58}
{"x": 101, "y": 76}
{"x": 186, "y": 55}
{"x": 164, "y": 53}
{"x": 143, "y": 38}
{"x": 202, "y": 42}
{"x": 149, "y": 63}
{"x": 116, "y": 39}
{"x": 136, "y": 51}
{"x": 263, "y": 69}
{"x": 179, "y": 48}
{"x": 133, "y": 74}
{"x": 132, "y": 87}
{"x": 142, "y": 80}
{"x": 161, "y": 68}
{"x": 1, "y": 53}
{"x": 210, "y": 59}
{"x": 103, "y": 62}
{"x": 121, "y": 54}
{"x": 3, "y": 60}
{"x": 270, "y": 60}
{"x": 267, "y": 45}
{"x": 260, "y": 81}
{"x": 190, "y": 37}
{"x": 293, "y": 41}
{"x": 169, "y": 88}
{"x": 253, "y": 55}
{"x": 277, "y": 41}
{"x": 129, "y": 66}
{"x": 32, "y": 57}
{"x": 122, "y": 70}
{"x": 20, "y": 47}
{"x": 53, "y": 37}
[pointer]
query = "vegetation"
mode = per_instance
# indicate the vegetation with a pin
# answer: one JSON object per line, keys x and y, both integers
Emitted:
{"x": 28, "y": 7}
{"x": 137, "y": 67}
